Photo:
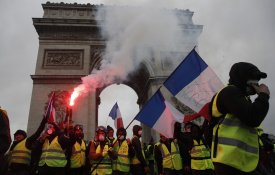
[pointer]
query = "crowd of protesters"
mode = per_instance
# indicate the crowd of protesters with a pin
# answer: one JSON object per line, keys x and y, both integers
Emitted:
{"x": 50, "y": 151}
{"x": 236, "y": 144}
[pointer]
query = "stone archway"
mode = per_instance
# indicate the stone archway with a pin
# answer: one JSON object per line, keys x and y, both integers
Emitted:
{"x": 70, "y": 47}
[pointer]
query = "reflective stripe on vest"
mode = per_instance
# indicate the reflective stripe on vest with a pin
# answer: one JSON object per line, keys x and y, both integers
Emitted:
{"x": 135, "y": 160}
{"x": 78, "y": 157}
{"x": 234, "y": 143}
{"x": 170, "y": 160}
{"x": 21, "y": 154}
{"x": 103, "y": 166}
{"x": 52, "y": 154}
{"x": 200, "y": 157}
{"x": 122, "y": 163}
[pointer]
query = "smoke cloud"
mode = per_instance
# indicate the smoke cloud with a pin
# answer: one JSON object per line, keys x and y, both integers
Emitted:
{"x": 135, "y": 34}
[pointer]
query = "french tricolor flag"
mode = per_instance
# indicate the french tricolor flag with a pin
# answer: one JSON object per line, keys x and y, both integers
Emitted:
{"x": 50, "y": 111}
{"x": 160, "y": 115}
{"x": 116, "y": 116}
{"x": 194, "y": 83}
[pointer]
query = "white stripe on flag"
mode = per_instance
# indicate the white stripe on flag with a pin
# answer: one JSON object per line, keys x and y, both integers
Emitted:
{"x": 200, "y": 90}
{"x": 116, "y": 116}
{"x": 193, "y": 82}
{"x": 165, "y": 123}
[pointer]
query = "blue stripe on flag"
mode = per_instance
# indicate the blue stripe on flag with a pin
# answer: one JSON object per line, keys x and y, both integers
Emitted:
{"x": 188, "y": 70}
{"x": 152, "y": 110}
{"x": 113, "y": 112}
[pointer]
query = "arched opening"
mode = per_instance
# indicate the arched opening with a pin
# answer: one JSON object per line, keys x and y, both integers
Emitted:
{"x": 126, "y": 98}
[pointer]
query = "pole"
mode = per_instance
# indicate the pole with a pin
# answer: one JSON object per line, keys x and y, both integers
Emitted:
{"x": 68, "y": 119}
{"x": 70, "y": 116}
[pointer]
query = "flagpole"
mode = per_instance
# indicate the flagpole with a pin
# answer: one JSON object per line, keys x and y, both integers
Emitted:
{"x": 50, "y": 101}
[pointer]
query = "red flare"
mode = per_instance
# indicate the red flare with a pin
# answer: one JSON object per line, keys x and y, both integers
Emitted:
{"x": 74, "y": 95}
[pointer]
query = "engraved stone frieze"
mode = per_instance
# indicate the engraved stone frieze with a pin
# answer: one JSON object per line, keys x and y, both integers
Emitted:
{"x": 63, "y": 59}
{"x": 96, "y": 57}
{"x": 61, "y": 99}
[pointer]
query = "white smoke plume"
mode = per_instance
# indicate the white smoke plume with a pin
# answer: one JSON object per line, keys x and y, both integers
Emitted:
{"x": 133, "y": 35}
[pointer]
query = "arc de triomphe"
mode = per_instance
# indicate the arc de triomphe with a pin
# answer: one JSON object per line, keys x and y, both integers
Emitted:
{"x": 70, "y": 47}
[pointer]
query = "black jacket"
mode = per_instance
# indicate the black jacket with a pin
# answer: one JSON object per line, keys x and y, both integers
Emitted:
{"x": 234, "y": 99}
{"x": 138, "y": 150}
{"x": 5, "y": 138}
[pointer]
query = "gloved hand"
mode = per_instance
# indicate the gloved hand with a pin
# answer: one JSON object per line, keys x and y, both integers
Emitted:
{"x": 261, "y": 88}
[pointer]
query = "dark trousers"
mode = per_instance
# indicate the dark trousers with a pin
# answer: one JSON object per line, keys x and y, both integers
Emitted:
{"x": 18, "y": 169}
{"x": 76, "y": 171}
{"x": 120, "y": 173}
{"x": 3, "y": 164}
{"x": 152, "y": 167}
{"x": 203, "y": 172}
{"x": 18, "y": 172}
{"x": 221, "y": 169}
{"x": 172, "y": 172}
{"x": 46, "y": 170}
{"x": 137, "y": 169}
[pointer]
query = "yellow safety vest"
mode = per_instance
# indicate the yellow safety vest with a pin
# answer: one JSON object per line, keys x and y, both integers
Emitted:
{"x": 234, "y": 144}
{"x": 151, "y": 156}
{"x": 170, "y": 160}
{"x": 200, "y": 157}
{"x": 104, "y": 166}
{"x": 21, "y": 154}
{"x": 111, "y": 141}
{"x": 52, "y": 154}
{"x": 122, "y": 163}
{"x": 78, "y": 157}
{"x": 135, "y": 160}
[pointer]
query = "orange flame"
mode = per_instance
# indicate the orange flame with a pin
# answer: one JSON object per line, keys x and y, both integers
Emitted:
{"x": 78, "y": 91}
{"x": 74, "y": 95}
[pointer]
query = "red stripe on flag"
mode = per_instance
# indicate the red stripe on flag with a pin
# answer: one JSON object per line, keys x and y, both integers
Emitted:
{"x": 204, "y": 112}
{"x": 119, "y": 123}
{"x": 52, "y": 115}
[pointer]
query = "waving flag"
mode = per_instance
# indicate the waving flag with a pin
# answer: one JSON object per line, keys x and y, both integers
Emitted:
{"x": 50, "y": 112}
{"x": 160, "y": 115}
{"x": 116, "y": 116}
{"x": 194, "y": 83}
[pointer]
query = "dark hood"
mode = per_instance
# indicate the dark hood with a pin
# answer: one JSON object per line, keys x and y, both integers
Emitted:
{"x": 136, "y": 128}
{"x": 109, "y": 128}
{"x": 241, "y": 72}
{"x": 121, "y": 130}
{"x": 21, "y": 132}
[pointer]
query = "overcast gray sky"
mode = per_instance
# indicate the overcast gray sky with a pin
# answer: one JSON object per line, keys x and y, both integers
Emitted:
{"x": 233, "y": 31}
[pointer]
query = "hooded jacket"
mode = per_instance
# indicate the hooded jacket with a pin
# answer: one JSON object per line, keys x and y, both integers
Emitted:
{"x": 241, "y": 72}
{"x": 235, "y": 100}
{"x": 136, "y": 128}
{"x": 137, "y": 145}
